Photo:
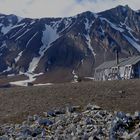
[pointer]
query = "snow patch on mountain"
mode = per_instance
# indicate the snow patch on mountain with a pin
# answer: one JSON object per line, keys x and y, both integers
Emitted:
{"x": 129, "y": 30}
{"x": 132, "y": 42}
{"x": 32, "y": 22}
{"x": 88, "y": 25}
{"x": 8, "y": 69}
{"x": 31, "y": 39}
{"x": 32, "y": 78}
{"x": 1, "y": 24}
{"x": 1, "y": 17}
{"x": 18, "y": 31}
{"x": 89, "y": 44}
{"x": 133, "y": 36}
{"x": 101, "y": 32}
{"x": 46, "y": 84}
{"x": 112, "y": 25}
{"x": 19, "y": 18}
{"x": 18, "y": 57}
{"x": 55, "y": 24}
{"x": 90, "y": 78}
{"x": 75, "y": 76}
{"x": 6, "y": 29}
{"x": 49, "y": 36}
{"x": 17, "y": 25}
{"x": 66, "y": 21}
{"x": 22, "y": 34}
{"x": 3, "y": 45}
{"x": 125, "y": 25}
{"x": 33, "y": 64}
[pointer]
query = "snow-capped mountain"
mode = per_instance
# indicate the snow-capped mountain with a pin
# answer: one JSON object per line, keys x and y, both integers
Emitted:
{"x": 63, "y": 48}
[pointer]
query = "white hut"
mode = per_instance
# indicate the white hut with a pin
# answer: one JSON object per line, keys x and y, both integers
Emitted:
{"x": 126, "y": 68}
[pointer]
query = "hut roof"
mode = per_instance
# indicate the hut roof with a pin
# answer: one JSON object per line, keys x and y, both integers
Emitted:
{"x": 122, "y": 62}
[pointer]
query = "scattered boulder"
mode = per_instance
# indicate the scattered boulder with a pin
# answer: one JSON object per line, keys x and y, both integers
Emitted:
{"x": 91, "y": 123}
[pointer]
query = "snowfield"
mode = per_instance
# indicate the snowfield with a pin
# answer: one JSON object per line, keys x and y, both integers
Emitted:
{"x": 133, "y": 43}
{"x": 49, "y": 36}
{"x": 32, "y": 78}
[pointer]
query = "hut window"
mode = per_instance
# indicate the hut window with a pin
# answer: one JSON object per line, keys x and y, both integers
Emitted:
{"x": 114, "y": 69}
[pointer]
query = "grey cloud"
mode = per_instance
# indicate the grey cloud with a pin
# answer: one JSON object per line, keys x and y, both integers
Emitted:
{"x": 57, "y": 8}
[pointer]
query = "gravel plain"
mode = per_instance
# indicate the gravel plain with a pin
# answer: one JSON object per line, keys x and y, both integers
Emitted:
{"x": 17, "y": 103}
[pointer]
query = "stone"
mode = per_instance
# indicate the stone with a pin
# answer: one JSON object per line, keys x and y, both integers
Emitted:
{"x": 90, "y": 138}
{"x": 26, "y": 132}
{"x": 45, "y": 122}
{"x": 87, "y": 124}
{"x": 1, "y": 132}
{"x": 4, "y": 138}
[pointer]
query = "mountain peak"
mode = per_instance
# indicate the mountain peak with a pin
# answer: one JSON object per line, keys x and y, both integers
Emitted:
{"x": 88, "y": 14}
{"x": 121, "y": 8}
{"x": 70, "y": 46}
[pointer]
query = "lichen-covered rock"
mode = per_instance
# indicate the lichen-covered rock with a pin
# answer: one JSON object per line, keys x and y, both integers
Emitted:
{"x": 91, "y": 123}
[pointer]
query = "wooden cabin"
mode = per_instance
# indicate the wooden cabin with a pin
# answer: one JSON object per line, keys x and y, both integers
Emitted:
{"x": 124, "y": 68}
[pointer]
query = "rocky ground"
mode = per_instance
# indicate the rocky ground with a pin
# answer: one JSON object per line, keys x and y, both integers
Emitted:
{"x": 72, "y": 123}
{"x": 18, "y": 103}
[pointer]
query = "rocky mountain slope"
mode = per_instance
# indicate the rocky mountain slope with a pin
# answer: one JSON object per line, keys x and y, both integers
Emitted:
{"x": 63, "y": 48}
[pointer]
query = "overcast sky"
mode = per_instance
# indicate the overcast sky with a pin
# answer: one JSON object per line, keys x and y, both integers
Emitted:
{"x": 60, "y": 8}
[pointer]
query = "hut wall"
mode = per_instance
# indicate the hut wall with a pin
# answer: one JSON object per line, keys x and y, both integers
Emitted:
{"x": 137, "y": 70}
{"x": 123, "y": 72}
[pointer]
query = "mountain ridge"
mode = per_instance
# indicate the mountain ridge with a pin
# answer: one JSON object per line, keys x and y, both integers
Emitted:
{"x": 67, "y": 45}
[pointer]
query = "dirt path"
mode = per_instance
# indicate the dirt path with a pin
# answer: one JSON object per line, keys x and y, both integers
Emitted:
{"x": 17, "y": 103}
